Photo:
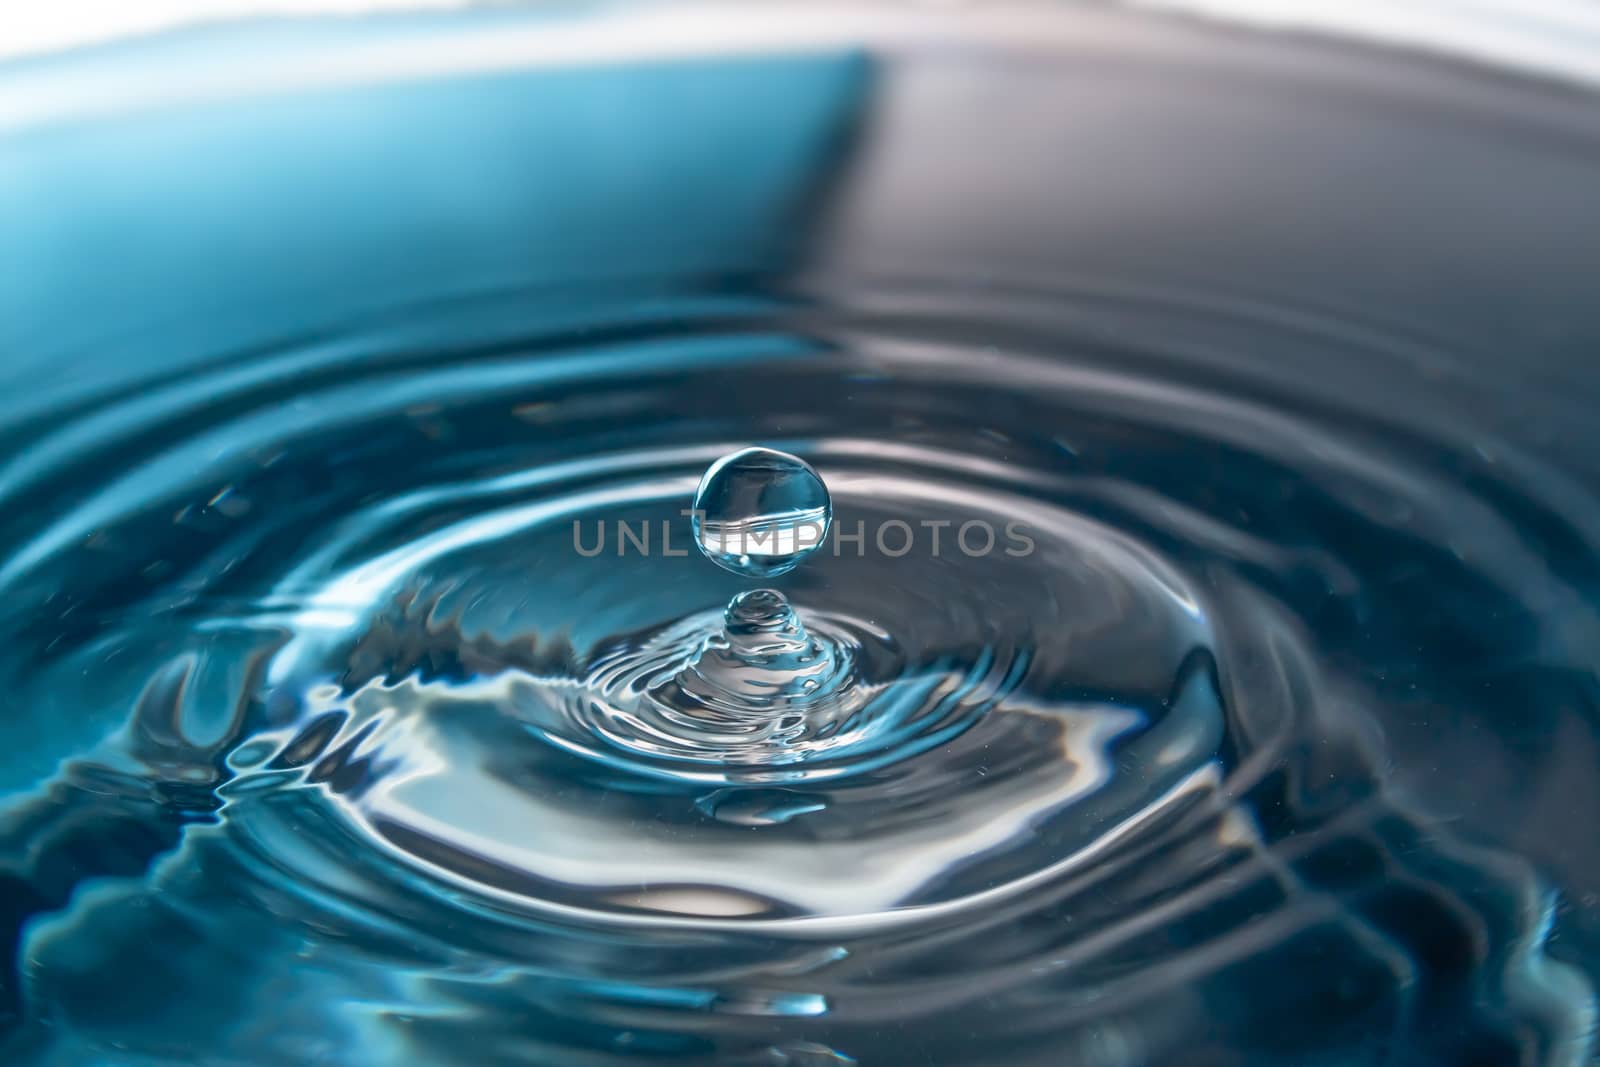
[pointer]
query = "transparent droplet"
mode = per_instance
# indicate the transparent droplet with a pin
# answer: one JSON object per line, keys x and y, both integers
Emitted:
{"x": 759, "y": 512}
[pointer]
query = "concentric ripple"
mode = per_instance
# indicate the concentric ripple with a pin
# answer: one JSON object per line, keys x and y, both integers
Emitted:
{"x": 378, "y": 740}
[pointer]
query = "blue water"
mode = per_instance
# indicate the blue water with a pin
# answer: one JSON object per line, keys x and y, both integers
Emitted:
{"x": 1196, "y": 665}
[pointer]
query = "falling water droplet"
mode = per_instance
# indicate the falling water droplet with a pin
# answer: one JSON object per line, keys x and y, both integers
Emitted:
{"x": 759, "y": 512}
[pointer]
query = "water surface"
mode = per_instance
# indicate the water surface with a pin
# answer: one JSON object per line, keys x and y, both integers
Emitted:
{"x": 1277, "y": 746}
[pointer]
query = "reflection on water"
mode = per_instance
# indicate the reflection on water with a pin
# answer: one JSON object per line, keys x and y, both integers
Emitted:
{"x": 1277, "y": 746}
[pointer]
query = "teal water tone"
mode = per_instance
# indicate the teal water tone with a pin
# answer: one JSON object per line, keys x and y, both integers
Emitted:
{"x": 1265, "y": 731}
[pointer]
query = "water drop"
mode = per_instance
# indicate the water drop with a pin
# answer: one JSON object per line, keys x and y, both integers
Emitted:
{"x": 759, "y": 512}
